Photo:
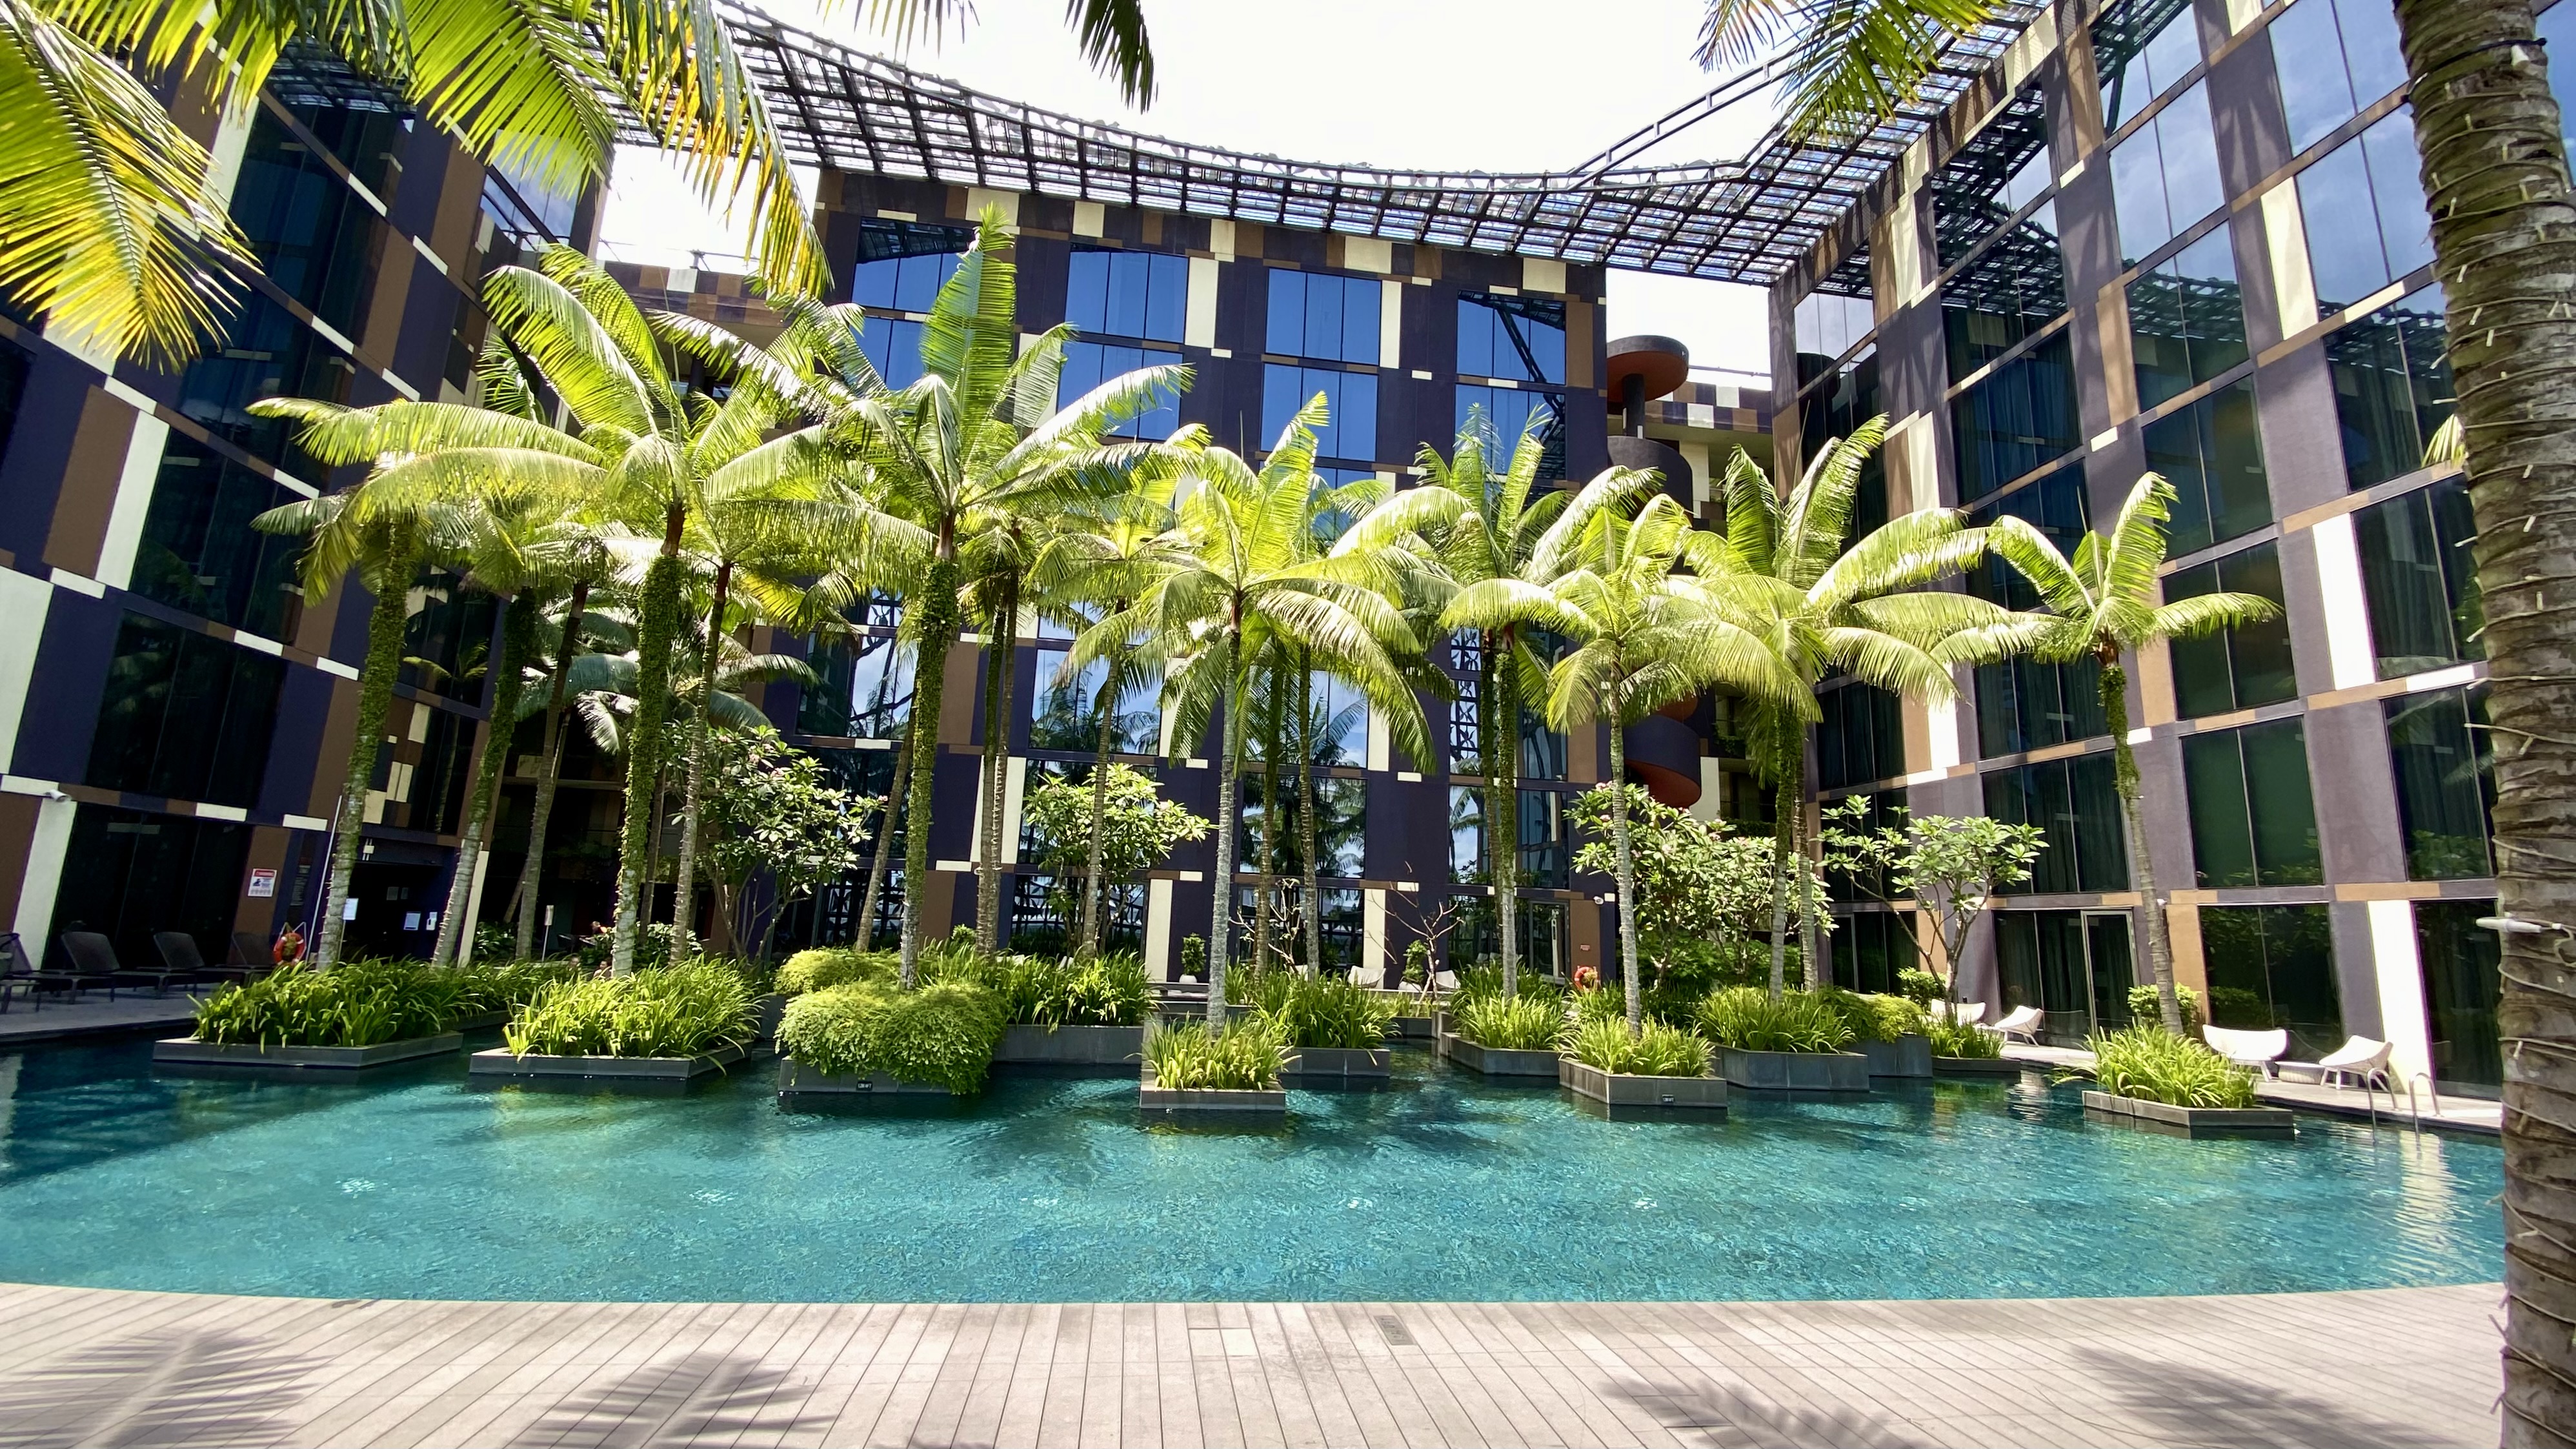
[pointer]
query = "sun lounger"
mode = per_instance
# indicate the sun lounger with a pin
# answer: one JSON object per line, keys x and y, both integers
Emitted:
{"x": 2255, "y": 1049}
{"x": 179, "y": 952}
{"x": 71, "y": 976}
{"x": 2358, "y": 1059}
{"x": 94, "y": 956}
{"x": 1965, "y": 1013}
{"x": 2021, "y": 1021}
{"x": 22, "y": 978}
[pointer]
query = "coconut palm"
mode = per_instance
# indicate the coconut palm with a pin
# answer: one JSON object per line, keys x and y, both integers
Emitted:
{"x": 1480, "y": 525}
{"x": 1824, "y": 609}
{"x": 2102, "y": 605}
{"x": 961, "y": 455}
{"x": 1237, "y": 574}
{"x": 1637, "y": 635}
{"x": 110, "y": 226}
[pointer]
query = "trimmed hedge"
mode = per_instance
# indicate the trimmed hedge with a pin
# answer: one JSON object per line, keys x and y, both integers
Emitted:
{"x": 942, "y": 1034}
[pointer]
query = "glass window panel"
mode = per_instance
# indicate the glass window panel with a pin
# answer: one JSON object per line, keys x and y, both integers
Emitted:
{"x": 2284, "y": 809}
{"x": 2140, "y": 47}
{"x": 1501, "y": 414}
{"x": 266, "y": 352}
{"x": 2439, "y": 750}
{"x": 2273, "y": 966}
{"x": 2222, "y": 841}
{"x": 1995, "y": 173}
{"x": 1519, "y": 338}
{"x": 2187, "y": 319}
{"x": 2018, "y": 418}
{"x": 200, "y": 553}
{"x": 2557, "y": 31}
{"x": 1089, "y": 364}
{"x": 2425, "y": 609}
{"x": 901, "y": 265}
{"x": 306, "y": 226}
{"x": 893, "y": 348}
{"x": 2074, "y": 805}
{"x": 2333, "y": 57}
{"x": 2212, "y": 453}
{"x": 184, "y": 715}
{"x": 2235, "y": 668}
{"x": 2463, "y": 971}
{"x": 447, "y": 640}
{"x": 1350, "y": 400}
{"x": 2365, "y": 217}
{"x": 1086, "y": 290}
{"x": 2164, "y": 176}
{"x": 2392, "y": 384}
{"x": 1315, "y": 314}
{"x": 2011, "y": 290}
{"x": 141, "y": 873}
{"x": 1835, "y": 317}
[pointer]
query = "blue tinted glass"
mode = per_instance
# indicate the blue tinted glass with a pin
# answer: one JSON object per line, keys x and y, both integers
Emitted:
{"x": 1089, "y": 364}
{"x": 1354, "y": 430}
{"x": 918, "y": 280}
{"x": 2558, "y": 37}
{"x": 2192, "y": 187}
{"x": 1283, "y": 391}
{"x": 1350, "y": 403}
{"x": 1359, "y": 321}
{"x": 894, "y": 349}
{"x": 1287, "y": 333}
{"x": 2138, "y": 191}
{"x": 1166, "y": 297}
{"x": 2405, "y": 226}
{"x": 1086, "y": 291}
{"x": 1475, "y": 339}
{"x": 1126, "y": 296}
{"x": 2344, "y": 255}
{"x": 1323, "y": 318}
{"x": 872, "y": 283}
{"x": 2370, "y": 48}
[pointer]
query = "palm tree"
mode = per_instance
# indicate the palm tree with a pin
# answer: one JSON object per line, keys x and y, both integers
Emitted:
{"x": 962, "y": 453}
{"x": 1824, "y": 609}
{"x": 2102, "y": 605}
{"x": 110, "y": 227}
{"x": 1637, "y": 635}
{"x": 1488, "y": 525}
{"x": 1239, "y": 573}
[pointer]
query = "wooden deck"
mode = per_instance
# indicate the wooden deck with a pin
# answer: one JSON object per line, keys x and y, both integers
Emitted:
{"x": 2394, "y": 1367}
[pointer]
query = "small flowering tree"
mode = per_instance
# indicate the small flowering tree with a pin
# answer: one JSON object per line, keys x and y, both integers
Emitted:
{"x": 1950, "y": 865}
{"x": 776, "y": 809}
{"x": 1138, "y": 828}
{"x": 1697, "y": 880}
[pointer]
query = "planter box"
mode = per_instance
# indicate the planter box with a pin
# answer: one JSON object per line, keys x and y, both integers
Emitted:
{"x": 497, "y": 1064}
{"x": 1794, "y": 1071}
{"x": 1978, "y": 1067}
{"x": 484, "y": 1022}
{"x": 2190, "y": 1121}
{"x": 190, "y": 1052}
{"x": 765, "y": 1011}
{"x": 1071, "y": 1046}
{"x": 1152, "y": 1098}
{"x": 1338, "y": 1066}
{"x": 1621, "y": 1090}
{"x": 1415, "y": 1028}
{"x": 1498, "y": 1061}
{"x": 798, "y": 1080}
{"x": 1907, "y": 1056}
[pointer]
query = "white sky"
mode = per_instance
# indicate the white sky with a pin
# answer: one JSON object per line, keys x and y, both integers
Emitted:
{"x": 1507, "y": 85}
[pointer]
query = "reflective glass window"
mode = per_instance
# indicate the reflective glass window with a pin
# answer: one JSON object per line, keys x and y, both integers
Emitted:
{"x": 1127, "y": 294}
{"x": 184, "y": 715}
{"x": 2273, "y": 966}
{"x": 1993, "y": 175}
{"x": 1871, "y": 947}
{"x": 1341, "y": 828}
{"x": 2463, "y": 972}
{"x": 2425, "y": 608}
{"x": 1861, "y": 737}
{"x": 2016, "y": 419}
{"x": 2073, "y": 803}
{"x": 864, "y": 690}
{"x": 2364, "y": 213}
{"x": 2023, "y": 704}
{"x": 1065, "y": 715}
{"x": 1350, "y": 401}
{"x": 2212, "y": 453}
{"x": 2441, "y": 751}
{"x": 2253, "y": 818}
{"x": 1520, "y": 338}
{"x": 308, "y": 229}
{"x": 901, "y": 265}
{"x": 2334, "y": 58}
{"x": 139, "y": 873}
{"x": 1500, "y": 415}
{"x": 2013, "y": 288}
{"x": 893, "y": 348}
{"x": 2557, "y": 31}
{"x": 2392, "y": 386}
{"x": 1089, "y": 364}
{"x": 2187, "y": 319}
{"x": 2164, "y": 176}
{"x": 1314, "y": 314}
{"x": 2235, "y": 668}
{"x": 447, "y": 638}
{"x": 1833, "y": 318}
{"x": 266, "y": 352}
{"x": 2140, "y": 49}
{"x": 200, "y": 553}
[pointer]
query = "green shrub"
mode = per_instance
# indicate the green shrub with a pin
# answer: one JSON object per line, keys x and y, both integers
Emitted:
{"x": 1523, "y": 1023}
{"x": 825, "y": 966}
{"x": 1244, "y": 1057}
{"x": 1747, "y": 1019}
{"x": 1601, "y": 1003}
{"x": 1194, "y": 957}
{"x": 2152, "y": 1064}
{"x": 666, "y": 1011}
{"x": 1875, "y": 1017}
{"x": 2144, "y": 1007}
{"x": 1659, "y": 1050}
{"x": 1417, "y": 963}
{"x": 1328, "y": 1011}
{"x": 1918, "y": 986}
{"x": 1956, "y": 1039}
{"x": 942, "y": 1034}
{"x": 365, "y": 1003}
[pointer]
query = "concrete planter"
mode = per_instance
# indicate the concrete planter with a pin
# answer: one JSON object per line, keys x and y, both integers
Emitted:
{"x": 1620, "y": 1090}
{"x": 483, "y": 1022}
{"x": 1415, "y": 1028}
{"x": 1243, "y": 1102}
{"x": 1330, "y": 1067}
{"x": 2189, "y": 1121}
{"x": 498, "y": 1065}
{"x": 1978, "y": 1067}
{"x": 765, "y": 1012}
{"x": 1498, "y": 1061}
{"x": 187, "y": 1051}
{"x": 1794, "y": 1071}
{"x": 1071, "y": 1046}
{"x": 1909, "y": 1055}
{"x": 798, "y": 1080}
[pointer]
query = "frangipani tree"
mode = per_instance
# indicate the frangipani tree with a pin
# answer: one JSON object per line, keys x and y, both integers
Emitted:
{"x": 1949, "y": 865}
{"x": 2103, "y": 605}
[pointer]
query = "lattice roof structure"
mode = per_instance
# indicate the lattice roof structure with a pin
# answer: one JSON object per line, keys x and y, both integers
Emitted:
{"x": 1731, "y": 221}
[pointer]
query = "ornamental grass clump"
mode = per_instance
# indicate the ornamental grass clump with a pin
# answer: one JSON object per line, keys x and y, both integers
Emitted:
{"x": 1874, "y": 1017}
{"x": 1658, "y": 1050}
{"x": 1749, "y": 1019}
{"x": 666, "y": 1011}
{"x": 1243, "y": 1057}
{"x": 1959, "y": 1039}
{"x": 1328, "y": 1011}
{"x": 362, "y": 1003}
{"x": 942, "y": 1034}
{"x": 1511, "y": 1023}
{"x": 832, "y": 966}
{"x": 1050, "y": 991}
{"x": 2153, "y": 1065}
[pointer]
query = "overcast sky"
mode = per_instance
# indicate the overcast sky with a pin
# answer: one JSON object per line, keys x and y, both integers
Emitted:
{"x": 1509, "y": 85}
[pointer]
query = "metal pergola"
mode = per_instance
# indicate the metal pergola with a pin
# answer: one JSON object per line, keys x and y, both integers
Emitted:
{"x": 1732, "y": 221}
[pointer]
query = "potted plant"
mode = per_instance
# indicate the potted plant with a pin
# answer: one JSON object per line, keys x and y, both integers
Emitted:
{"x": 1663, "y": 1067}
{"x": 874, "y": 1038}
{"x": 1503, "y": 1036}
{"x": 656, "y": 1027}
{"x": 1891, "y": 1031}
{"x": 1793, "y": 1042}
{"x": 1335, "y": 1032}
{"x": 1084, "y": 1015}
{"x": 1189, "y": 1068}
{"x": 1960, "y": 1049}
{"x": 355, "y": 1016}
{"x": 2150, "y": 1078}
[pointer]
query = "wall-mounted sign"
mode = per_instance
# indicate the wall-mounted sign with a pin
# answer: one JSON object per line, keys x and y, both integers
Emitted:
{"x": 263, "y": 881}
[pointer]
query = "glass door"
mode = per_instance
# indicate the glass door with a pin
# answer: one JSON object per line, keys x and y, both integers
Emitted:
{"x": 2106, "y": 950}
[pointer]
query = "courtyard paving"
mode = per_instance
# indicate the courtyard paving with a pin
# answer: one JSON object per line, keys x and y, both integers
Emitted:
{"x": 2398, "y": 1367}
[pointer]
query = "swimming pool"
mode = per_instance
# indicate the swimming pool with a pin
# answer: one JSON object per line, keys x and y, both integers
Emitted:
{"x": 1052, "y": 1189}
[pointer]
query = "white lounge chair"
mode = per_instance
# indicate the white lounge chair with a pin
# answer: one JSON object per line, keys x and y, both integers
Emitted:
{"x": 2255, "y": 1049}
{"x": 2359, "y": 1058}
{"x": 1445, "y": 981}
{"x": 1362, "y": 976}
{"x": 1965, "y": 1013}
{"x": 2021, "y": 1021}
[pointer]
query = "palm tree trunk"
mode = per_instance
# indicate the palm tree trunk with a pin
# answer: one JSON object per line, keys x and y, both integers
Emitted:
{"x": 1230, "y": 754}
{"x": 1811, "y": 941}
{"x": 2124, "y": 778}
{"x": 999, "y": 646}
{"x": 937, "y": 604}
{"x": 684, "y": 888}
{"x": 1784, "y": 800}
{"x": 532, "y": 869}
{"x": 653, "y": 856}
{"x": 1627, "y": 881}
{"x": 375, "y": 689}
{"x": 1501, "y": 721}
{"x": 516, "y": 628}
{"x": 656, "y": 622}
{"x": 1092, "y": 886}
{"x": 2495, "y": 166}
{"x": 1314, "y": 913}
{"x": 1261, "y": 912}
{"x": 887, "y": 816}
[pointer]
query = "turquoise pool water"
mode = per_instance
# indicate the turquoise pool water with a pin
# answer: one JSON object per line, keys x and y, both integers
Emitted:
{"x": 1052, "y": 1189}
